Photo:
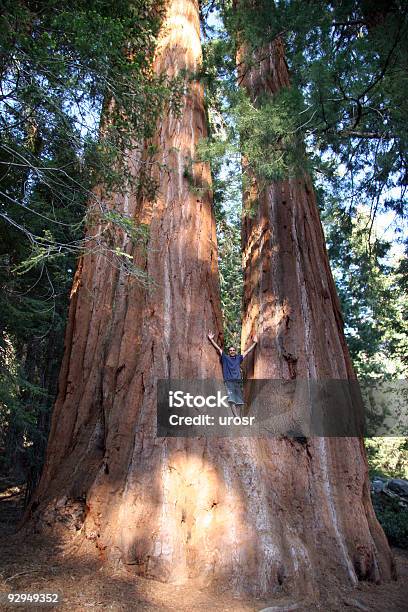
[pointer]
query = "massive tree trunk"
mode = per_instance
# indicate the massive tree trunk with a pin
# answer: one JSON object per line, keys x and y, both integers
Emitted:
{"x": 106, "y": 473}
{"x": 321, "y": 486}
{"x": 257, "y": 515}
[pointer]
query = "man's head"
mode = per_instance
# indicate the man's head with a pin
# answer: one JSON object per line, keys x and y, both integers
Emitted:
{"x": 232, "y": 351}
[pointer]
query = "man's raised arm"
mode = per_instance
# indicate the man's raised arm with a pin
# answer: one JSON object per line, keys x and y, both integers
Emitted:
{"x": 253, "y": 345}
{"x": 215, "y": 345}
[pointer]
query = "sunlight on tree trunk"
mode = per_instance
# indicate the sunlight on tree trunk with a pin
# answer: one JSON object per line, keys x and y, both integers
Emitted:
{"x": 139, "y": 498}
{"x": 257, "y": 515}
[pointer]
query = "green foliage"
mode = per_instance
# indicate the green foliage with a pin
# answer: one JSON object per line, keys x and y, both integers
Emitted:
{"x": 267, "y": 136}
{"x": 138, "y": 234}
{"x": 62, "y": 66}
{"x": 349, "y": 93}
{"x": 370, "y": 287}
{"x": 388, "y": 457}
{"x": 229, "y": 250}
{"x": 347, "y": 60}
{"x": 393, "y": 519}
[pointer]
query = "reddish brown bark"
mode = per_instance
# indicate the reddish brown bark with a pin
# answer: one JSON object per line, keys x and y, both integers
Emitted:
{"x": 105, "y": 471}
{"x": 256, "y": 515}
{"x": 320, "y": 485}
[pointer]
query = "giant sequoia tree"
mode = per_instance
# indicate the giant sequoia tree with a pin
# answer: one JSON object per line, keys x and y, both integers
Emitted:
{"x": 267, "y": 515}
{"x": 290, "y": 297}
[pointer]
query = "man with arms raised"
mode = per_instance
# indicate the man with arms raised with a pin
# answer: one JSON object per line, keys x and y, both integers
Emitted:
{"x": 231, "y": 371}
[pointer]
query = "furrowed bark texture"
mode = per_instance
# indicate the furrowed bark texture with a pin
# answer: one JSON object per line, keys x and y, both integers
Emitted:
{"x": 173, "y": 509}
{"x": 252, "y": 514}
{"x": 139, "y": 498}
{"x": 321, "y": 512}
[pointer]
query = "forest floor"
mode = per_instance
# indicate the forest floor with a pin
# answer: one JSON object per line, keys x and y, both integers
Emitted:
{"x": 38, "y": 565}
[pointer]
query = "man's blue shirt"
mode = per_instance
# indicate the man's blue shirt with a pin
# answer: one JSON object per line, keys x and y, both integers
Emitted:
{"x": 230, "y": 366}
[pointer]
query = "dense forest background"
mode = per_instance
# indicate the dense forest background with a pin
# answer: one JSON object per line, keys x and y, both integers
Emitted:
{"x": 77, "y": 89}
